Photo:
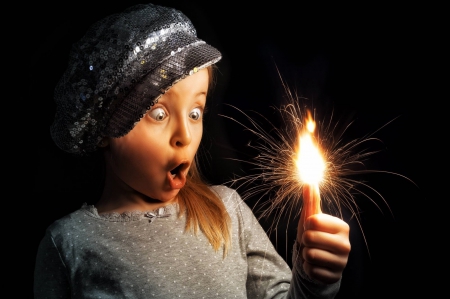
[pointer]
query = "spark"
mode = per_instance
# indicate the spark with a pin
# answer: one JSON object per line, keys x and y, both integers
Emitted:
{"x": 276, "y": 176}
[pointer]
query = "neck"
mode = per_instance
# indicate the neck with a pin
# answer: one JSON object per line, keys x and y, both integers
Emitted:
{"x": 118, "y": 197}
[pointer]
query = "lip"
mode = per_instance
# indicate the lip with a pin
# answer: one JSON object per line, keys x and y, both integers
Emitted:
{"x": 179, "y": 180}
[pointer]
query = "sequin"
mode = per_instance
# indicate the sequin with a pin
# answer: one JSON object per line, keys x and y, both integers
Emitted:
{"x": 146, "y": 45}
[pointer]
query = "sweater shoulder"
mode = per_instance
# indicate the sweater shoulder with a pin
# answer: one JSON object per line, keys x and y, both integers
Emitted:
{"x": 233, "y": 202}
{"x": 229, "y": 196}
{"x": 72, "y": 219}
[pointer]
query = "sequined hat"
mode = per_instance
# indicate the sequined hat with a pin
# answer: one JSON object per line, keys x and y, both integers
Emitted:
{"x": 119, "y": 69}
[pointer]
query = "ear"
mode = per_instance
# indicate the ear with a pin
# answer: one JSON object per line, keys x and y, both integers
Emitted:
{"x": 104, "y": 142}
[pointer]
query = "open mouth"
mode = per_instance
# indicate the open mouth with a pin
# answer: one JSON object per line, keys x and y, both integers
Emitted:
{"x": 177, "y": 170}
{"x": 177, "y": 176}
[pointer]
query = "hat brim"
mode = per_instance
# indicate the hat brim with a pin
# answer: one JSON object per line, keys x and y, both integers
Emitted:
{"x": 156, "y": 82}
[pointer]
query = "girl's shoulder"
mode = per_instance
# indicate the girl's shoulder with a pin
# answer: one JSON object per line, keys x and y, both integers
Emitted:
{"x": 229, "y": 196}
{"x": 233, "y": 202}
{"x": 76, "y": 216}
{"x": 223, "y": 191}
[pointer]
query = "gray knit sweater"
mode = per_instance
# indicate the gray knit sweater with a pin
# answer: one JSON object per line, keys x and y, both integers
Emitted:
{"x": 149, "y": 255}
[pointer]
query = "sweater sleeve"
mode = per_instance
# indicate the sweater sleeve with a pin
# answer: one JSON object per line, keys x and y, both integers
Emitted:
{"x": 50, "y": 276}
{"x": 304, "y": 287}
{"x": 269, "y": 276}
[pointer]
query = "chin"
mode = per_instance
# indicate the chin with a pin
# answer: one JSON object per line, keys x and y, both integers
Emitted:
{"x": 165, "y": 197}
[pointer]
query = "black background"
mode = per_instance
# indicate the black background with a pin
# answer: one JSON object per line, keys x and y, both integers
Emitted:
{"x": 368, "y": 63}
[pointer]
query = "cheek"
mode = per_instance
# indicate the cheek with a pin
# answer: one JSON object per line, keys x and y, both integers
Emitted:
{"x": 133, "y": 157}
{"x": 120, "y": 159}
{"x": 198, "y": 134}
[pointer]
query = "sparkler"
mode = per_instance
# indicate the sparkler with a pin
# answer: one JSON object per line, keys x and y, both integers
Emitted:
{"x": 283, "y": 160}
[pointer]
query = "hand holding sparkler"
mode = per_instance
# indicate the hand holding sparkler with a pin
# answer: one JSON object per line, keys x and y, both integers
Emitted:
{"x": 324, "y": 239}
{"x": 324, "y": 246}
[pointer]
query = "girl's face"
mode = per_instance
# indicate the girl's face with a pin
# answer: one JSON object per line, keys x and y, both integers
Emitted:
{"x": 154, "y": 158}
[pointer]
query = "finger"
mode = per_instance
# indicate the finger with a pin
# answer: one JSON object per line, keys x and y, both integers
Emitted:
{"x": 334, "y": 243}
{"x": 324, "y": 259}
{"x": 323, "y": 275}
{"x": 327, "y": 223}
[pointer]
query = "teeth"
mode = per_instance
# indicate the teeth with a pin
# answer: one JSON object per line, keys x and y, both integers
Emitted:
{"x": 176, "y": 170}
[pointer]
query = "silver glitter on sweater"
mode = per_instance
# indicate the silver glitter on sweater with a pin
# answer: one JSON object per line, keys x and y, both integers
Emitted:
{"x": 119, "y": 69}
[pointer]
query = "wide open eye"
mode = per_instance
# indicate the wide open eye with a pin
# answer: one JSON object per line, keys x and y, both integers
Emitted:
{"x": 158, "y": 114}
{"x": 195, "y": 114}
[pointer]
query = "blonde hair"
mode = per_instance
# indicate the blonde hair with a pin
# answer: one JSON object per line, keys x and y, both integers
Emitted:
{"x": 204, "y": 209}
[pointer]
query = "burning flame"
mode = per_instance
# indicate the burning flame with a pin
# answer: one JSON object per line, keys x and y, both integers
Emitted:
{"x": 310, "y": 164}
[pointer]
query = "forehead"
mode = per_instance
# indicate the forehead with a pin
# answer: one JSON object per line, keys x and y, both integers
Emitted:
{"x": 193, "y": 85}
{"x": 206, "y": 79}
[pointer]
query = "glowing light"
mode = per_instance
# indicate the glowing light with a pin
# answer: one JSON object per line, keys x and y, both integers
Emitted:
{"x": 310, "y": 126}
{"x": 297, "y": 156}
{"x": 310, "y": 163}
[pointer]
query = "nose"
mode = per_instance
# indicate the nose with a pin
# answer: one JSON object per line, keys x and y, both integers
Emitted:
{"x": 181, "y": 134}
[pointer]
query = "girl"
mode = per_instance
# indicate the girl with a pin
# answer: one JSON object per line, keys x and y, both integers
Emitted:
{"x": 136, "y": 89}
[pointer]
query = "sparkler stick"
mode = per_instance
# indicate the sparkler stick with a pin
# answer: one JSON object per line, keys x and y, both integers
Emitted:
{"x": 311, "y": 206}
{"x": 311, "y": 200}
